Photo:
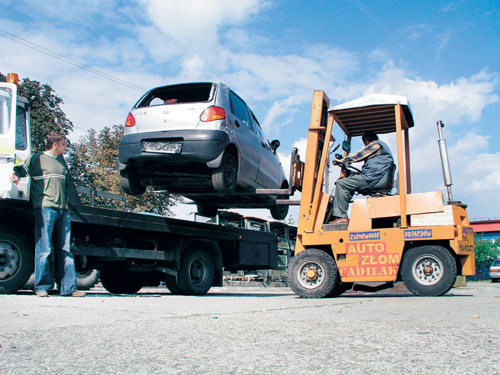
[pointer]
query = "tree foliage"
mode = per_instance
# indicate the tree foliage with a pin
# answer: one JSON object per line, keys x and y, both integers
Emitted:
{"x": 485, "y": 252}
{"x": 46, "y": 112}
{"x": 92, "y": 161}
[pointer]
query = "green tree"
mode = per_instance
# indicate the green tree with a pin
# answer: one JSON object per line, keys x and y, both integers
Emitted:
{"x": 92, "y": 161}
{"x": 485, "y": 251}
{"x": 46, "y": 112}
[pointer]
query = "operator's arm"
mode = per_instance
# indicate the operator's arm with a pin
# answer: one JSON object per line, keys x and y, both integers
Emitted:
{"x": 367, "y": 152}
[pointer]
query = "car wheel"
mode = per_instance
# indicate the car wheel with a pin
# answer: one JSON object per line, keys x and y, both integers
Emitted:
{"x": 225, "y": 177}
{"x": 130, "y": 183}
{"x": 207, "y": 211}
{"x": 279, "y": 211}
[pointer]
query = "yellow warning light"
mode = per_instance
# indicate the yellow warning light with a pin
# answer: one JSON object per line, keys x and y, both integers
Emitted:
{"x": 13, "y": 78}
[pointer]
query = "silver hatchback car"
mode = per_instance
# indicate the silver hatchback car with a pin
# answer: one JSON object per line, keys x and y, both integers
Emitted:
{"x": 202, "y": 141}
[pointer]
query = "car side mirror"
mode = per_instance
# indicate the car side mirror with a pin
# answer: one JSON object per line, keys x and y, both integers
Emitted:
{"x": 274, "y": 145}
{"x": 346, "y": 146}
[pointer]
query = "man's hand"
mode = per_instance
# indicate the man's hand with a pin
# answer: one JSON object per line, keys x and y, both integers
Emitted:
{"x": 13, "y": 178}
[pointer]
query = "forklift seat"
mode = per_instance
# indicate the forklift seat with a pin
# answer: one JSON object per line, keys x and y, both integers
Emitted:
{"x": 381, "y": 187}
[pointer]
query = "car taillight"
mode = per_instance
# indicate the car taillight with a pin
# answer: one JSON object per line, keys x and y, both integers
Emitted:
{"x": 213, "y": 113}
{"x": 130, "y": 121}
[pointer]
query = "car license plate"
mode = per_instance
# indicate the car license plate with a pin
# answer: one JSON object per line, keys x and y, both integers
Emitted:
{"x": 167, "y": 147}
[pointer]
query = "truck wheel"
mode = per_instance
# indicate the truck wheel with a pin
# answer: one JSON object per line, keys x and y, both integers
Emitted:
{"x": 120, "y": 280}
{"x": 197, "y": 273}
{"x": 207, "y": 211}
{"x": 225, "y": 177}
{"x": 428, "y": 270}
{"x": 279, "y": 211}
{"x": 86, "y": 280}
{"x": 16, "y": 260}
{"x": 130, "y": 183}
{"x": 171, "y": 284}
{"x": 313, "y": 274}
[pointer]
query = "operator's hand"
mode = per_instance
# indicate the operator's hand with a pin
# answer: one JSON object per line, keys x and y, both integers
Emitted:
{"x": 13, "y": 178}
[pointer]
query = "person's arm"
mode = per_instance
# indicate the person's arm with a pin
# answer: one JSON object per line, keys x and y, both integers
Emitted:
{"x": 20, "y": 171}
{"x": 363, "y": 154}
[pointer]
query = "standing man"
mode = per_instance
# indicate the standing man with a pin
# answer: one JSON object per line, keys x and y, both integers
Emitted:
{"x": 49, "y": 193}
{"x": 378, "y": 159}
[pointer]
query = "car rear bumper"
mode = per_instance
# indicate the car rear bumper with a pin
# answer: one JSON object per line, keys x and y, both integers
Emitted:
{"x": 199, "y": 146}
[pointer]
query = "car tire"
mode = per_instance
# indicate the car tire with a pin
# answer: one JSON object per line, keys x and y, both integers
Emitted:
{"x": 279, "y": 211}
{"x": 130, "y": 183}
{"x": 224, "y": 178}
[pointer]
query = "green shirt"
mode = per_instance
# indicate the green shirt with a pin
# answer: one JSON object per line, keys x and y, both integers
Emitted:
{"x": 49, "y": 180}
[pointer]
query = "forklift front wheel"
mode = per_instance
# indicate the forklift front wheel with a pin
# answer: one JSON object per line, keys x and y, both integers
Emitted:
{"x": 313, "y": 274}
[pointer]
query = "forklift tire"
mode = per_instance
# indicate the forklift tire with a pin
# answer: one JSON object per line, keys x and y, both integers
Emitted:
{"x": 428, "y": 270}
{"x": 197, "y": 272}
{"x": 119, "y": 280}
{"x": 16, "y": 260}
{"x": 313, "y": 274}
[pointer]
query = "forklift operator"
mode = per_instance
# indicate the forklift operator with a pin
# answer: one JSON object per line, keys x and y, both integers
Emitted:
{"x": 378, "y": 160}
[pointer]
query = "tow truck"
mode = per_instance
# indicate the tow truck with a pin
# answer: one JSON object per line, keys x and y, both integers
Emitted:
{"x": 412, "y": 237}
{"x": 130, "y": 249}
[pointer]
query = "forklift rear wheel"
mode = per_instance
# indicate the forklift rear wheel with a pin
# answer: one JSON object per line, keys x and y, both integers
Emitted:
{"x": 428, "y": 270}
{"x": 197, "y": 272}
{"x": 313, "y": 274}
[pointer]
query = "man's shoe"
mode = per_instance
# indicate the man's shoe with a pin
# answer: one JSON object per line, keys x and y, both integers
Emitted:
{"x": 340, "y": 220}
{"x": 42, "y": 294}
{"x": 78, "y": 293}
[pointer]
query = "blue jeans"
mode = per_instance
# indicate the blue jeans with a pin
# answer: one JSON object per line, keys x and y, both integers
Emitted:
{"x": 52, "y": 249}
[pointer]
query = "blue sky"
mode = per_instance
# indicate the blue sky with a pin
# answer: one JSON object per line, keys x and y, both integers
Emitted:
{"x": 442, "y": 55}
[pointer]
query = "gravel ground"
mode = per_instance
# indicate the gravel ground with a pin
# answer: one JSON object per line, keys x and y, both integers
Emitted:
{"x": 236, "y": 330}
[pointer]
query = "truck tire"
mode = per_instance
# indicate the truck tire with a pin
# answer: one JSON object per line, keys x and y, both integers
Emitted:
{"x": 171, "y": 283}
{"x": 120, "y": 280}
{"x": 86, "y": 280}
{"x": 313, "y": 274}
{"x": 225, "y": 177}
{"x": 130, "y": 183}
{"x": 428, "y": 270}
{"x": 16, "y": 260}
{"x": 196, "y": 273}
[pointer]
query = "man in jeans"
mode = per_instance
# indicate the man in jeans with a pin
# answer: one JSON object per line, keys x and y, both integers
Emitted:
{"x": 49, "y": 194}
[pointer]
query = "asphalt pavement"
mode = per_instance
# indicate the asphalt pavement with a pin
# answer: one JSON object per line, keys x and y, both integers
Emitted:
{"x": 252, "y": 330}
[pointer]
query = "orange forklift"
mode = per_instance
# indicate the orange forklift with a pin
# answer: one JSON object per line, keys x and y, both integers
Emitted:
{"x": 416, "y": 238}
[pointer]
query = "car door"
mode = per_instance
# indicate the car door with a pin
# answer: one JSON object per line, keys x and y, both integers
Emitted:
{"x": 247, "y": 140}
{"x": 270, "y": 168}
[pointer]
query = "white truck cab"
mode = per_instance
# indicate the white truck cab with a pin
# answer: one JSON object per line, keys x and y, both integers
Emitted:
{"x": 15, "y": 138}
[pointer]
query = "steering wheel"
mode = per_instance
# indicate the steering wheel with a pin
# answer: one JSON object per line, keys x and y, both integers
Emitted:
{"x": 346, "y": 166}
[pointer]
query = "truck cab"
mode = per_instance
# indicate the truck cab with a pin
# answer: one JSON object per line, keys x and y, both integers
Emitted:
{"x": 15, "y": 138}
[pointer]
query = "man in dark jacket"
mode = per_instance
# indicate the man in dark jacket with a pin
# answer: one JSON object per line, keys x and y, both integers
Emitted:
{"x": 49, "y": 194}
{"x": 378, "y": 159}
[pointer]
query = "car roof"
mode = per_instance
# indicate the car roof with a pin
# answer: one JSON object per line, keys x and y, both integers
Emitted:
{"x": 374, "y": 112}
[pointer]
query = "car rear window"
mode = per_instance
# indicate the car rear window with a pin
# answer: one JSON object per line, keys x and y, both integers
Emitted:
{"x": 496, "y": 263}
{"x": 188, "y": 93}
